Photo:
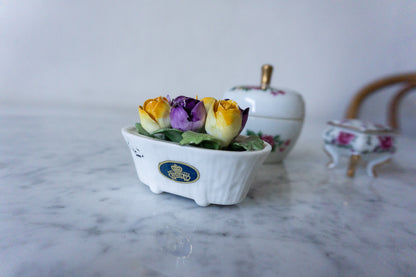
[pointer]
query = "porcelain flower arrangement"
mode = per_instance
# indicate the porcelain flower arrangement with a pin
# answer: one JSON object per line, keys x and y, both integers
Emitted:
{"x": 207, "y": 123}
{"x": 176, "y": 148}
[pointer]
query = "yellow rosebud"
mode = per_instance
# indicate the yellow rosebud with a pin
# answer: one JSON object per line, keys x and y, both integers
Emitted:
{"x": 208, "y": 102}
{"x": 224, "y": 120}
{"x": 154, "y": 114}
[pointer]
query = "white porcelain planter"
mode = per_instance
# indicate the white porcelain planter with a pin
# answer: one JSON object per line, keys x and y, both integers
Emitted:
{"x": 204, "y": 175}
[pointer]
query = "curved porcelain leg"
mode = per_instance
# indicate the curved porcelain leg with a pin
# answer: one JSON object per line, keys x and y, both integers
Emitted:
{"x": 371, "y": 166}
{"x": 354, "y": 159}
{"x": 333, "y": 155}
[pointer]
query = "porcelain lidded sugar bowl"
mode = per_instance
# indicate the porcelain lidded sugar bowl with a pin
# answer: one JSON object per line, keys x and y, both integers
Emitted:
{"x": 276, "y": 114}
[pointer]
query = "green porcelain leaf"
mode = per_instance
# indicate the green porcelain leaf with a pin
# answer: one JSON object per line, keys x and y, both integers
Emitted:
{"x": 250, "y": 143}
{"x": 142, "y": 131}
{"x": 170, "y": 133}
{"x": 250, "y": 133}
{"x": 200, "y": 139}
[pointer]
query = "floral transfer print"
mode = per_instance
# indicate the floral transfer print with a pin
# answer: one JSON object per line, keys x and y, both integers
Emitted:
{"x": 274, "y": 141}
{"x": 373, "y": 143}
{"x": 385, "y": 142}
{"x": 341, "y": 139}
{"x": 345, "y": 138}
{"x": 273, "y": 91}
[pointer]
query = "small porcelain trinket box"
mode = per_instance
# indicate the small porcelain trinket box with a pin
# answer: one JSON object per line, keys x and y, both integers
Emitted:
{"x": 358, "y": 139}
{"x": 276, "y": 114}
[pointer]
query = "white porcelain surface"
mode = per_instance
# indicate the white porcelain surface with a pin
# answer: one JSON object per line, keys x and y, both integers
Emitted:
{"x": 273, "y": 102}
{"x": 287, "y": 131}
{"x": 71, "y": 205}
{"x": 221, "y": 177}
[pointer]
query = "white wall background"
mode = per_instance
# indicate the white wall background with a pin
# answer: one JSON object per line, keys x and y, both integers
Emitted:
{"x": 115, "y": 54}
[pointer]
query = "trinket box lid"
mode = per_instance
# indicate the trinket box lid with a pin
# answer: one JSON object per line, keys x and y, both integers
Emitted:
{"x": 361, "y": 126}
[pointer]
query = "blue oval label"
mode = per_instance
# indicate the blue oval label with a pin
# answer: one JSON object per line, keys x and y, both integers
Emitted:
{"x": 179, "y": 171}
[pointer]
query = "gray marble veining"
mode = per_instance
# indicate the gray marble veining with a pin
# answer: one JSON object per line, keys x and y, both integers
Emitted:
{"x": 71, "y": 205}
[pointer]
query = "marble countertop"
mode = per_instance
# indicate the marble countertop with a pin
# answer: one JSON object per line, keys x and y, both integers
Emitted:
{"x": 71, "y": 205}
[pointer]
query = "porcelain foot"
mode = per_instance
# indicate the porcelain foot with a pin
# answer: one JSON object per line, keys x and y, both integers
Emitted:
{"x": 333, "y": 155}
{"x": 372, "y": 165}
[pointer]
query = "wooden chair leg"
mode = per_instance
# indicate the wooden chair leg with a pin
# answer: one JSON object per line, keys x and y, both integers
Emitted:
{"x": 354, "y": 159}
{"x": 394, "y": 105}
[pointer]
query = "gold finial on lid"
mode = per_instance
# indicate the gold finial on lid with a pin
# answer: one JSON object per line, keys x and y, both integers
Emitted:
{"x": 266, "y": 75}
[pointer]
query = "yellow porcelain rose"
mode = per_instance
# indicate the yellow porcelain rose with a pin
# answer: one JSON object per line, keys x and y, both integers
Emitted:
{"x": 225, "y": 119}
{"x": 154, "y": 114}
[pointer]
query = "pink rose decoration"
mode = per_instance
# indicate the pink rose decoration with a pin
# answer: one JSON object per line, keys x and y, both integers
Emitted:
{"x": 276, "y": 92}
{"x": 385, "y": 142}
{"x": 268, "y": 139}
{"x": 345, "y": 138}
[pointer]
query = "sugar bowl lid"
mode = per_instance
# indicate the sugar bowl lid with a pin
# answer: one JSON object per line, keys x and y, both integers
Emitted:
{"x": 267, "y": 101}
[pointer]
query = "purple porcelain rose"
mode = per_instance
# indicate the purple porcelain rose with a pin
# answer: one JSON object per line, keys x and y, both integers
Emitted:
{"x": 187, "y": 114}
{"x": 345, "y": 138}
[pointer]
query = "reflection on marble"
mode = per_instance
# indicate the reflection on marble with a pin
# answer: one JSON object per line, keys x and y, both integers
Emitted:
{"x": 71, "y": 205}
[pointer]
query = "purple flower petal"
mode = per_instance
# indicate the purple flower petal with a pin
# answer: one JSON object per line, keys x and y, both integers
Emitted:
{"x": 198, "y": 112}
{"x": 198, "y": 115}
{"x": 180, "y": 100}
{"x": 244, "y": 116}
{"x": 179, "y": 119}
{"x": 190, "y": 103}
